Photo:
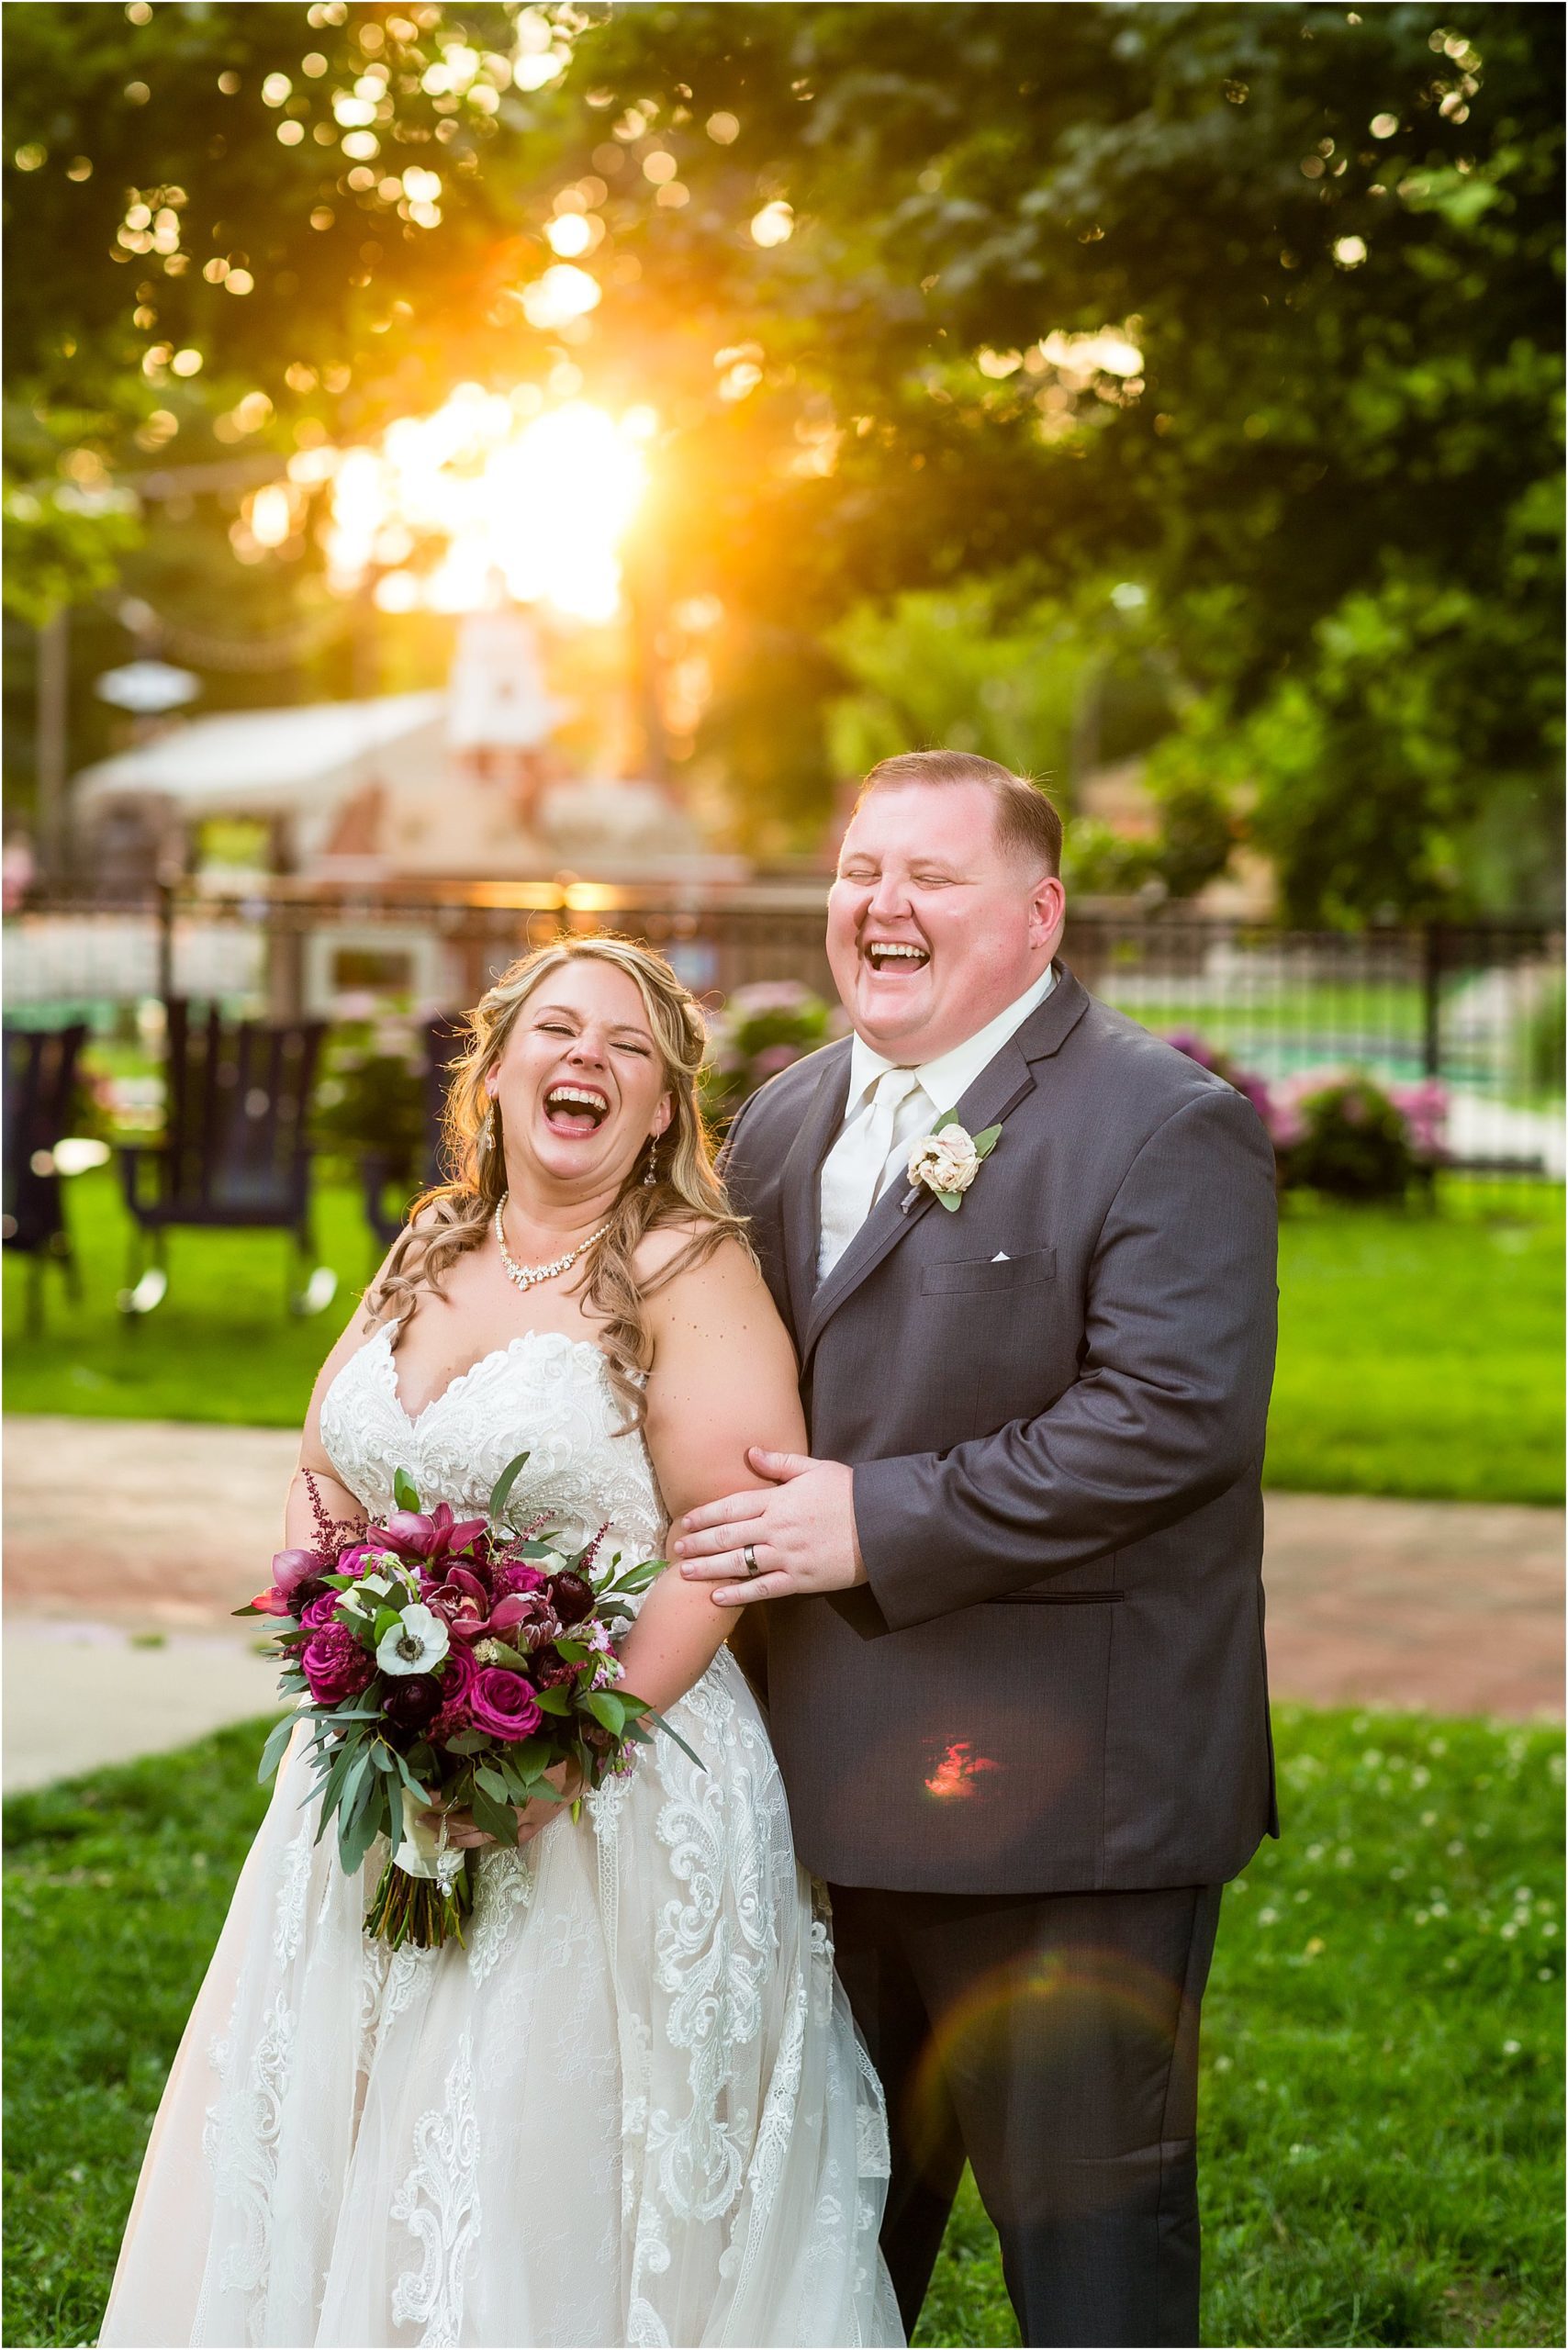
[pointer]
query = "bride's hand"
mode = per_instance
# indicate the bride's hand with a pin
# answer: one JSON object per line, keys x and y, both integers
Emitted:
{"x": 464, "y": 1835}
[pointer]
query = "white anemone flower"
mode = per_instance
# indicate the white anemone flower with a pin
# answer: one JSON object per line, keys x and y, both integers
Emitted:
{"x": 418, "y": 1640}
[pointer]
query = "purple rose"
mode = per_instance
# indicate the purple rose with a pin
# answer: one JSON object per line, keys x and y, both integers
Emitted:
{"x": 413, "y": 1700}
{"x": 502, "y": 1704}
{"x": 321, "y": 1611}
{"x": 335, "y": 1665}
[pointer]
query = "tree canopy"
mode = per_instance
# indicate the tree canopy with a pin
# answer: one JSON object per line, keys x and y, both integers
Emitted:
{"x": 1249, "y": 312}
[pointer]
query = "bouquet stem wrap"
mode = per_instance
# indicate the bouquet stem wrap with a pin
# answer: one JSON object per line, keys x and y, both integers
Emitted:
{"x": 425, "y": 1892}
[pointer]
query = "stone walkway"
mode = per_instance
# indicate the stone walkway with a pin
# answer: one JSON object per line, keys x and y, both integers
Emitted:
{"x": 128, "y": 1542}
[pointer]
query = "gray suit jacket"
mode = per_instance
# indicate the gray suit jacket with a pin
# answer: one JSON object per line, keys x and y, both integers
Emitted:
{"x": 1055, "y": 1680}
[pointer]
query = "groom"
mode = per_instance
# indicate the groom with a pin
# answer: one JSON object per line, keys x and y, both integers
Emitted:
{"x": 1015, "y": 1650}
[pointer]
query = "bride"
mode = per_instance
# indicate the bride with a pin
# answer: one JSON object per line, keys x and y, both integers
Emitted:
{"x": 633, "y": 2108}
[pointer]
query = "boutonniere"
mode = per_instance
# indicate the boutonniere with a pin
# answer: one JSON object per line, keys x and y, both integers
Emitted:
{"x": 948, "y": 1160}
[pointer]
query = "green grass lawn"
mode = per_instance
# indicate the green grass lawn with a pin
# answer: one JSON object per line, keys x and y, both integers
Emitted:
{"x": 1420, "y": 1354}
{"x": 1382, "y": 2132}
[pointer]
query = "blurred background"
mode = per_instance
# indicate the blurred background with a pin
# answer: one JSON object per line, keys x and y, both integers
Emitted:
{"x": 475, "y": 472}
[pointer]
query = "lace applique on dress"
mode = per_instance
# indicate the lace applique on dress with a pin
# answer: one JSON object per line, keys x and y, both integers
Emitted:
{"x": 439, "y": 2204}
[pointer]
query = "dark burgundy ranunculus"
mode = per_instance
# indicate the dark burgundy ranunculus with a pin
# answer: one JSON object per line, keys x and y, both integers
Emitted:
{"x": 307, "y": 1593}
{"x": 573, "y": 1596}
{"x": 413, "y": 1700}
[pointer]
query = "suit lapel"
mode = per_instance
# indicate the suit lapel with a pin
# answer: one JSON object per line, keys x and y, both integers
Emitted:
{"x": 798, "y": 1187}
{"x": 1006, "y": 1079}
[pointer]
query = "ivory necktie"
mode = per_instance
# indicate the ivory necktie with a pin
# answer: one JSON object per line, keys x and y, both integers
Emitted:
{"x": 857, "y": 1168}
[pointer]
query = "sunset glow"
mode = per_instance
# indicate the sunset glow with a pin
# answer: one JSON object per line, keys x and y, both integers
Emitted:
{"x": 521, "y": 501}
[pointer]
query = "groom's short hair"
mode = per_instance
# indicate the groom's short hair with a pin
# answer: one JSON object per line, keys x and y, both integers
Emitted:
{"x": 1027, "y": 826}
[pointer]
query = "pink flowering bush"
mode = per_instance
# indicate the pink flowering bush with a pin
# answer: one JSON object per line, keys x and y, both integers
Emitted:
{"x": 1337, "y": 1130}
{"x": 761, "y": 1030}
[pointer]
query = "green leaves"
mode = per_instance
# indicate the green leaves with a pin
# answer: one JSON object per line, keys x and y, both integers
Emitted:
{"x": 501, "y": 1493}
{"x": 272, "y": 1751}
{"x": 405, "y": 1493}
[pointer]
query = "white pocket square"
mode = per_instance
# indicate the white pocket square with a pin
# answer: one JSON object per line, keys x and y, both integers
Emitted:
{"x": 1002, "y": 1258}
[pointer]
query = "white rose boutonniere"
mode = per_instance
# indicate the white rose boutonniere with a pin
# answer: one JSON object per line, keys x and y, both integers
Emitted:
{"x": 948, "y": 1160}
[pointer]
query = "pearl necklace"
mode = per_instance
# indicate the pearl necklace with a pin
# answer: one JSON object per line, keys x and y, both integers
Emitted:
{"x": 530, "y": 1276}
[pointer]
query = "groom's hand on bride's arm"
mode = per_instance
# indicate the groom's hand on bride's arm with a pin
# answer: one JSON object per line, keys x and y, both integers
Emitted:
{"x": 801, "y": 1527}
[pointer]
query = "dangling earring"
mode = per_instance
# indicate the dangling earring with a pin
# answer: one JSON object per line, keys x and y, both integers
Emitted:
{"x": 487, "y": 1141}
{"x": 651, "y": 1172}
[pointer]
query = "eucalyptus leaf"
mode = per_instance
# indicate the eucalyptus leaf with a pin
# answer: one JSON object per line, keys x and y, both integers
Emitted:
{"x": 951, "y": 1200}
{"x": 497, "y": 1819}
{"x": 654, "y": 1716}
{"x": 272, "y": 1753}
{"x": 986, "y": 1140}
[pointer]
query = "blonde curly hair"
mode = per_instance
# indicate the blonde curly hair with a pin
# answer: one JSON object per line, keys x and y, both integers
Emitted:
{"x": 453, "y": 1217}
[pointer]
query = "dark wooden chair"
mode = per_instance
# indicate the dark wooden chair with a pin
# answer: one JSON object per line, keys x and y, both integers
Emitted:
{"x": 234, "y": 1157}
{"x": 40, "y": 1094}
{"x": 446, "y": 1038}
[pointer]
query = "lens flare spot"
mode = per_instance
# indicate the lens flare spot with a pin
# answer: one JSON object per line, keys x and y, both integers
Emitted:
{"x": 958, "y": 1772}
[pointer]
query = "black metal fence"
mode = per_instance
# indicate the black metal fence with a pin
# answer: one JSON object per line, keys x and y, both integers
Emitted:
{"x": 1478, "y": 1008}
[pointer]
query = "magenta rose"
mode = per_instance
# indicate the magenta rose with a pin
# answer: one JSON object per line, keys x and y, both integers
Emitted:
{"x": 518, "y": 1576}
{"x": 502, "y": 1704}
{"x": 321, "y": 1610}
{"x": 359, "y": 1558}
{"x": 335, "y": 1665}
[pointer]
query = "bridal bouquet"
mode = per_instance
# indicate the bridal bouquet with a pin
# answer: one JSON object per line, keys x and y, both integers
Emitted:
{"x": 447, "y": 1663}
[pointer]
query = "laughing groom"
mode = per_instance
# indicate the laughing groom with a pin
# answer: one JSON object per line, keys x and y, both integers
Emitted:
{"x": 1016, "y": 1649}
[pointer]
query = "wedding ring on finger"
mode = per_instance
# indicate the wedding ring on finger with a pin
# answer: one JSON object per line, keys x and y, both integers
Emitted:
{"x": 748, "y": 1559}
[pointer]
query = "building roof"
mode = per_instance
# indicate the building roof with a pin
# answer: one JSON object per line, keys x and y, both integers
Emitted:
{"x": 262, "y": 759}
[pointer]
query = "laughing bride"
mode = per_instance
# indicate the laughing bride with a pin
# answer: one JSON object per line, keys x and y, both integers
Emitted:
{"x": 633, "y": 2108}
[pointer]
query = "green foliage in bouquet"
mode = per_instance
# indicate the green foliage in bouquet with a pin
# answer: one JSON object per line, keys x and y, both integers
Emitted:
{"x": 760, "y": 1030}
{"x": 448, "y": 1665}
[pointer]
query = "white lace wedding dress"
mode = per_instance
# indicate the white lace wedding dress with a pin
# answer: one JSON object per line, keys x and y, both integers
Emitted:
{"x": 633, "y": 2110}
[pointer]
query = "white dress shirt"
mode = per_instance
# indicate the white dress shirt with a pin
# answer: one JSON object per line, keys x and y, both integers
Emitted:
{"x": 850, "y": 1189}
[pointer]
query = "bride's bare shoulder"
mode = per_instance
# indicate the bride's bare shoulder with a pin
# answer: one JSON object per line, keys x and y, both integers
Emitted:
{"x": 690, "y": 1271}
